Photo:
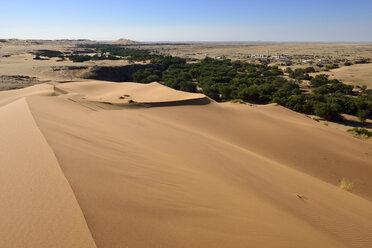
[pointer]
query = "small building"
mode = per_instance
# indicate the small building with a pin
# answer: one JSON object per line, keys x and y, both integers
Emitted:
{"x": 285, "y": 60}
{"x": 308, "y": 61}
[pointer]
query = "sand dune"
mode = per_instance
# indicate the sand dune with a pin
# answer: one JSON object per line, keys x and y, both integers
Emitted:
{"x": 189, "y": 173}
{"x": 37, "y": 205}
{"x": 153, "y": 93}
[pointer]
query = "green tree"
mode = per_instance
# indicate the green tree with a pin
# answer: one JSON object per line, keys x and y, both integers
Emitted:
{"x": 319, "y": 80}
{"x": 363, "y": 114}
{"x": 328, "y": 111}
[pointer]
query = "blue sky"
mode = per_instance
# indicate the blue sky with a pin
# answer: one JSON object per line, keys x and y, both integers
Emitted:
{"x": 192, "y": 20}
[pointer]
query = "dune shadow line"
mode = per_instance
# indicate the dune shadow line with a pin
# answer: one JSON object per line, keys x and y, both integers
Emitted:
{"x": 196, "y": 101}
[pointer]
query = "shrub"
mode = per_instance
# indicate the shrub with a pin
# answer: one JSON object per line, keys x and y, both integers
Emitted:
{"x": 310, "y": 69}
{"x": 348, "y": 63}
{"x": 288, "y": 70}
{"x": 238, "y": 101}
{"x": 346, "y": 184}
{"x": 363, "y": 114}
{"x": 330, "y": 67}
{"x": 361, "y": 132}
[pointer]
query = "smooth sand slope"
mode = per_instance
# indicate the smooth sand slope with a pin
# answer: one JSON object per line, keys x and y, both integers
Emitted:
{"x": 154, "y": 167}
{"x": 37, "y": 205}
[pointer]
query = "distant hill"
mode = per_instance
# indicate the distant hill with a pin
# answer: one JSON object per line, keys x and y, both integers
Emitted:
{"x": 124, "y": 41}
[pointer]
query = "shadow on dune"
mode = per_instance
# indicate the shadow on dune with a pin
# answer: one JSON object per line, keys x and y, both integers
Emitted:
{"x": 353, "y": 123}
{"x": 197, "y": 101}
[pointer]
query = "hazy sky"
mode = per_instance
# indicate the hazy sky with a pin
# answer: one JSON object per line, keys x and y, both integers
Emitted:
{"x": 192, "y": 20}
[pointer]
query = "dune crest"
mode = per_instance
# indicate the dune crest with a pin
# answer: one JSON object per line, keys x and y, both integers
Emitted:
{"x": 37, "y": 206}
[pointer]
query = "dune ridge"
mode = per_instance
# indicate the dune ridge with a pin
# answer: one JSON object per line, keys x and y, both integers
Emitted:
{"x": 10, "y": 96}
{"x": 191, "y": 174}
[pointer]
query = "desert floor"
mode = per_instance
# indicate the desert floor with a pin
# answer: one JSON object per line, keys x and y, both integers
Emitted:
{"x": 356, "y": 74}
{"x": 239, "y": 50}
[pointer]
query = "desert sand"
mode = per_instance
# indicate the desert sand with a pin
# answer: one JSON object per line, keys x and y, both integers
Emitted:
{"x": 356, "y": 74}
{"x": 38, "y": 207}
{"x": 112, "y": 165}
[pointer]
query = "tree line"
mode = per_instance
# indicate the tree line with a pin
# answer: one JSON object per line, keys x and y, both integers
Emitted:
{"x": 224, "y": 80}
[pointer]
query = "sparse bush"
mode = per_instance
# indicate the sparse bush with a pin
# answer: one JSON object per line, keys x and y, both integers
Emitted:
{"x": 288, "y": 70}
{"x": 310, "y": 69}
{"x": 346, "y": 184}
{"x": 361, "y": 132}
{"x": 363, "y": 61}
{"x": 348, "y": 63}
{"x": 331, "y": 67}
{"x": 238, "y": 101}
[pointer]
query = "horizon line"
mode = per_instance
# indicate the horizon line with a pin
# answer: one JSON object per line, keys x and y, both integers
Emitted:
{"x": 188, "y": 41}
